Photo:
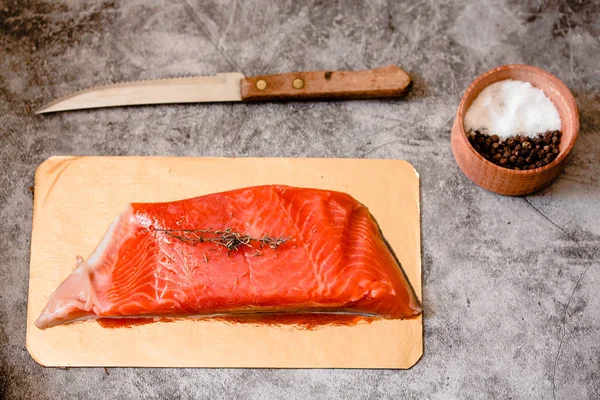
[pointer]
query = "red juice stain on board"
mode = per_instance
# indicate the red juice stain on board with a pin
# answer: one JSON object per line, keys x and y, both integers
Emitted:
{"x": 128, "y": 322}
{"x": 304, "y": 321}
{"x": 301, "y": 321}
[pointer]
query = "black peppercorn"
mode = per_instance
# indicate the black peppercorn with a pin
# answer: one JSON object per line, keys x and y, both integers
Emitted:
{"x": 517, "y": 152}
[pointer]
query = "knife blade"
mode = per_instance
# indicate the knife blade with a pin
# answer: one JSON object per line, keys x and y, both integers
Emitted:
{"x": 384, "y": 82}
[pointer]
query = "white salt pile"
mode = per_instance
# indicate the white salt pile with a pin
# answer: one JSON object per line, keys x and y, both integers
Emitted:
{"x": 509, "y": 108}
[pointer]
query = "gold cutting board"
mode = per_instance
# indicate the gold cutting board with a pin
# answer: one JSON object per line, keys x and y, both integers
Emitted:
{"x": 76, "y": 199}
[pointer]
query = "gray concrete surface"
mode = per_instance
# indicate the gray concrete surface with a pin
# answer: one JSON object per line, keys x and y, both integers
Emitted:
{"x": 509, "y": 283}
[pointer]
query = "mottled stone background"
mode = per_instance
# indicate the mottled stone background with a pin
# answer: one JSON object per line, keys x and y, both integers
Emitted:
{"x": 510, "y": 284}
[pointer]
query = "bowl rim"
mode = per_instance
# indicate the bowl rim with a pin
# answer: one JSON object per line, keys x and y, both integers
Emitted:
{"x": 460, "y": 115}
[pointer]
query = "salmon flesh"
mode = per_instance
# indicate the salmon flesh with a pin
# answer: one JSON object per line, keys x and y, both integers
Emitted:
{"x": 264, "y": 249}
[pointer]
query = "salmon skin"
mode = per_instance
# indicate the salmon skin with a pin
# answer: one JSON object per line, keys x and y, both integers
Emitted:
{"x": 264, "y": 249}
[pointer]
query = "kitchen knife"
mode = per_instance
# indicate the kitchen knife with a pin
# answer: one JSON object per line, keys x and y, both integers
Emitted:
{"x": 389, "y": 81}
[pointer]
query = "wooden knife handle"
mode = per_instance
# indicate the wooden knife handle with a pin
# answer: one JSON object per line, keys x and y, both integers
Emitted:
{"x": 389, "y": 81}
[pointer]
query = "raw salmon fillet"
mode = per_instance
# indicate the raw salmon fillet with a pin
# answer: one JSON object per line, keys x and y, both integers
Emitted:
{"x": 263, "y": 249}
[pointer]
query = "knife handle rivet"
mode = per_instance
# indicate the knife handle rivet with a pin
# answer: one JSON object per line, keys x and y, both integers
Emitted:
{"x": 261, "y": 84}
{"x": 298, "y": 83}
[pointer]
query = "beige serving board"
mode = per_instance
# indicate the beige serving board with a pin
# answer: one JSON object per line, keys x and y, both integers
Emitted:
{"x": 76, "y": 198}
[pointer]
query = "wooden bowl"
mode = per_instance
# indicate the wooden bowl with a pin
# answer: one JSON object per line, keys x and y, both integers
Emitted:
{"x": 508, "y": 181}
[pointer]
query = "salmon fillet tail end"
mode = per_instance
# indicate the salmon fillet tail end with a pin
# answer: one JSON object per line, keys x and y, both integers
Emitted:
{"x": 75, "y": 298}
{"x": 71, "y": 301}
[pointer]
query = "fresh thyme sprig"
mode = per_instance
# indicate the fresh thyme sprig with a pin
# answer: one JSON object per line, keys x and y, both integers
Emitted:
{"x": 227, "y": 238}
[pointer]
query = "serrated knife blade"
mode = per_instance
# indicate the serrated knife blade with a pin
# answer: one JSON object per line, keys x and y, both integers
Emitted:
{"x": 389, "y": 81}
{"x": 217, "y": 88}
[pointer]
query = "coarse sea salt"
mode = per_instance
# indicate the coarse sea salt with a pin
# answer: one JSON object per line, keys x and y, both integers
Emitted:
{"x": 509, "y": 108}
